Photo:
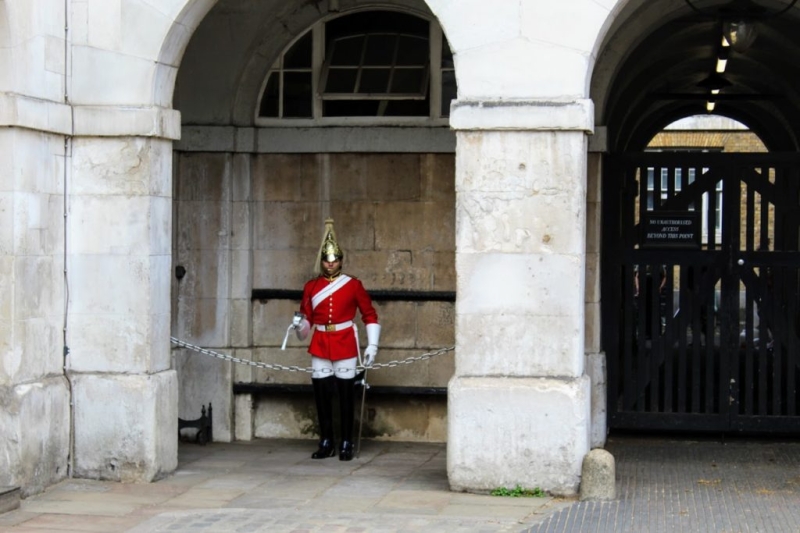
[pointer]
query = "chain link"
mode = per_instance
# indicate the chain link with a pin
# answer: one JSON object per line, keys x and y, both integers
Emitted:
{"x": 276, "y": 366}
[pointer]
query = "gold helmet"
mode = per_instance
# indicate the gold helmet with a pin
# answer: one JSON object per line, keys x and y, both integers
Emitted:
{"x": 329, "y": 250}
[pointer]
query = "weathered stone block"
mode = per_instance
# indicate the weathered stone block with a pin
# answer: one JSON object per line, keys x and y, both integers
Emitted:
{"x": 203, "y": 379}
{"x": 392, "y": 177}
{"x": 241, "y": 285}
{"x": 6, "y": 223}
{"x": 520, "y": 284}
{"x": 441, "y": 368}
{"x": 414, "y": 226}
{"x": 438, "y": 179}
{"x": 285, "y": 269}
{"x": 126, "y": 426}
{"x": 288, "y": 177}
{"x": 243, "y": 417}
{"x": 243, "y": 373}
{"x": 593, "y": 327}
{"x": 504, "y": 432}
{"x": 596, "y": 370}
{"x": 435, "y": 324}
{"x": 241, "y": 177}
{"x": 404, "y": 375}
{"x": 9, "y": 499}
{"x": 399, "y": 324}
{"x": 203, "y": 177}
{"x": 348, "y": 177}
{"x": 38, "y": 223}
{"x": 355, "y": 226}
{"x": 203, "y": 225}
{"x": 286, "y": 417}
{"x": 270, "y": 320}
{"x": 203, "y": 321}
{"x": 592, "y": 277}
{"x": 241, "y": 226}
{"x": 287, "y": 225}
{"x": 520, "y": 223}
{"x": 241, "y": 332}
{"x": 34, "y": 442}
{"x": 519, "y": 345}
{"x": 294, "y": 356}
{"x": 121, "y": 166}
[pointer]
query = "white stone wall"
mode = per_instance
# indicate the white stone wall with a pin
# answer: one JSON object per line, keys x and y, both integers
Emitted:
{"x": 85, "y": 205}
{"x": 35, "y": 399}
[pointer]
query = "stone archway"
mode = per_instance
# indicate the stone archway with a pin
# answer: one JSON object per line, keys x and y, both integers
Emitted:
{"x": 652, "y": 69}
{"x": 268, "y": 187}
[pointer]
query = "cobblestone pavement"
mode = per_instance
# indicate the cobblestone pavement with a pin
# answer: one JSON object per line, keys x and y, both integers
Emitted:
{"x": 684, "y": 485}
{"x": 663, "y": 485}
{"x": 273, "y": 486}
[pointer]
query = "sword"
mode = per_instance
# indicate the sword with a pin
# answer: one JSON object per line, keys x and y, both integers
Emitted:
{"x": 286, "y": 337}
{"x": 364, "y": 387}
{"x": 294, "y": 325}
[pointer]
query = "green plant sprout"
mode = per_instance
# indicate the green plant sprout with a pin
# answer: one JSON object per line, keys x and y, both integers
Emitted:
{"x": 519, "y": 492}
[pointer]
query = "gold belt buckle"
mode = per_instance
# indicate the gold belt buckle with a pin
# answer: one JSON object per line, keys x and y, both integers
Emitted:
{"x": 330, "y": 327}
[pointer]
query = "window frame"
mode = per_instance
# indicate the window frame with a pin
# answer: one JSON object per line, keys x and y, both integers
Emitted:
{"x": 434, "y": 80}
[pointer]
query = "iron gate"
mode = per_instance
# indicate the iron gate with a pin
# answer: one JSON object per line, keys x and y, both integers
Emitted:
{"x": 701, "y": 281}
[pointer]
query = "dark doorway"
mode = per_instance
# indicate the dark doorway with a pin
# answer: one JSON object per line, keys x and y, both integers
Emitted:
{"x": 701, "y": 282}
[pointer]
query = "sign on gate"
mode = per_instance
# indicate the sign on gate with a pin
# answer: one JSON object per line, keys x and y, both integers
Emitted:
{"x": 671, "y": 229}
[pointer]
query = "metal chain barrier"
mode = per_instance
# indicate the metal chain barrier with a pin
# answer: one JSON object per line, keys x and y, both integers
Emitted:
{"x": 308, "y": 370}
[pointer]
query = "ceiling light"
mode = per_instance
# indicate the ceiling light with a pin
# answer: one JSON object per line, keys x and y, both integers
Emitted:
{"x": 721, "y": 64}
{"x": 710, "y": 106}
{"x": 739, "y": 33}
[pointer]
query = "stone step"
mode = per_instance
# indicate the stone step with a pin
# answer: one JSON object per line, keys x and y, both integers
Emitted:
{"x": 9, "y": 499}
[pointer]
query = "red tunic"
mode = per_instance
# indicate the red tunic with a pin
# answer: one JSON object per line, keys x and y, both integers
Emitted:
{"x": 338, "y": 307}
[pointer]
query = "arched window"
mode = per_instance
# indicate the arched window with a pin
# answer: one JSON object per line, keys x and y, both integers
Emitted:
{"x": 367, "y": 67}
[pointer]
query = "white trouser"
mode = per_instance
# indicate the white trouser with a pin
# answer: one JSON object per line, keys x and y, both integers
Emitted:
{"x": 322, "y": 368}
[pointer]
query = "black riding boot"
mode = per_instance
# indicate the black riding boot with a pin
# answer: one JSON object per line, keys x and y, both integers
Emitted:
{"x": 323, "y": 395}
{"x": 346, "y": 394}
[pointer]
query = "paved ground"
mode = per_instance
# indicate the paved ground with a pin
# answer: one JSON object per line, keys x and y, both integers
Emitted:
{"x": 272, "y": 486}
{"x": 687, "y": 485}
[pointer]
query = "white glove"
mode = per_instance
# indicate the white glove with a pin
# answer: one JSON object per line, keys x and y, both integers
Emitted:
{"x": 301, "y": 327}
{"x": 373, "y": 338}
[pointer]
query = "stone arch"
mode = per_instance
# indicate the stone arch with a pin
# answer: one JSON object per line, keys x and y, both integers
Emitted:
{"x": 180, "y": 32}
{"x": 649, "y": 67}
{"x": 648, "y": 53}
{"x": 236, "y": 175}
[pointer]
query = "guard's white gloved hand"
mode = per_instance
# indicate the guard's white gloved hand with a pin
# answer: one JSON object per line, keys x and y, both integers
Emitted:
{"x": 301, "y": 326}
{"x": 373, "y": 338}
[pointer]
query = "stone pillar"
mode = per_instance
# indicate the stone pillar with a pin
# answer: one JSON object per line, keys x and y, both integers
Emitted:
{"x": 519, "y": 402}
{"x": 34, "y": 416}
{"x": 119, "y": 270}
{"x": 595, "y": 358}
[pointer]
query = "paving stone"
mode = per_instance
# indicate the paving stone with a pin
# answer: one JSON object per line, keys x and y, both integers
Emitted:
{"x": 663, "y": 485}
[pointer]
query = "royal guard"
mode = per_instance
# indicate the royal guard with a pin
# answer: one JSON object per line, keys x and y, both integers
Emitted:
{"x": 328, "y": 308}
